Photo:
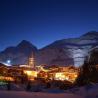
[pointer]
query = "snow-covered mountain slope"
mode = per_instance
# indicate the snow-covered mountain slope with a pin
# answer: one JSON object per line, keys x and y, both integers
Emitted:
{"x": 72, "y": 51}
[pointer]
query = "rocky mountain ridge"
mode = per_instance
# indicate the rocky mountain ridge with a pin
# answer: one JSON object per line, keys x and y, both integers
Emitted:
{"x": 70, "y": 51}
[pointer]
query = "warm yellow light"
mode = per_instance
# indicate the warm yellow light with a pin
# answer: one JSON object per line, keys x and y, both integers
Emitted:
{"x": 41, "y": 68}
{"x": 60, "y": 76}
{"x": 6, "y": 78}
{"x": 31, "y": 73}
{"x": 67, "y": 78}
{"x": 75, "y": 75}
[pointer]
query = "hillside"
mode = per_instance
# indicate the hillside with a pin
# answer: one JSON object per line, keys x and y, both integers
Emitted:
{"x": 70, "y": 51}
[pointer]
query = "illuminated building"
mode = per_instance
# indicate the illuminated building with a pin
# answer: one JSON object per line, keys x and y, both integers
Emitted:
{"x": 6, "y": 78}
{"x": 68, "y": 73}
{"x": 31, "y": 74}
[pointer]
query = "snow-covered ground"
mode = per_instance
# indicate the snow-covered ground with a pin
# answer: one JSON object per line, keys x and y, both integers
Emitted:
{"x": 23, "y": 94}
{"x": 89, "y": 91}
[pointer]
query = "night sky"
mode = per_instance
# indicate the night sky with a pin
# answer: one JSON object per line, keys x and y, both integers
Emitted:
{"x": 43, "y": 21}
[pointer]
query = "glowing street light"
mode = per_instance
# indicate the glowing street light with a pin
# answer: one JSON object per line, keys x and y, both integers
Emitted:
{"x": 8, "y": 62}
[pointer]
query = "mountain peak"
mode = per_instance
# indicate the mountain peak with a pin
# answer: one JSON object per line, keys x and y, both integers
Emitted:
{"x": 25, "y": 44}
{"x": 90, "y": 35}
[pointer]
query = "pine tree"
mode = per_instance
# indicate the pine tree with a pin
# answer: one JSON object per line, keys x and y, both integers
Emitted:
{"x": 84, "y": 75}
{"x": 88, "y": 72}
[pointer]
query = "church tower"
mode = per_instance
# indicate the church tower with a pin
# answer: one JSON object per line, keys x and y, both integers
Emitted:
{"x": 31, "y": 62}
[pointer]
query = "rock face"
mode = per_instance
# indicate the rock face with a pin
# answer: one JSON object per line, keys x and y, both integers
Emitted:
{"x": 70, "y": 51}
{"x": 18, "y": 54}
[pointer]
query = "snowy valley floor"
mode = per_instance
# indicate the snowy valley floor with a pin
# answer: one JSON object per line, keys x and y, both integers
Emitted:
{"x": 88, "y": 91}
{"x": 23, "y": 94}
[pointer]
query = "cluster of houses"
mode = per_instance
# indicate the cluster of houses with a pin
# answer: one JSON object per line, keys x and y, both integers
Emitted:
{"x": 18, "y": 73}
{"x": 32, "y": 72}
